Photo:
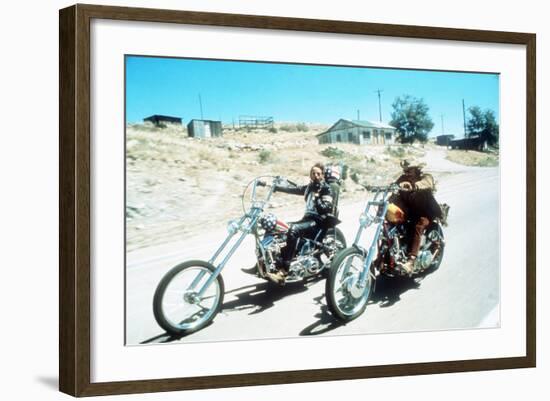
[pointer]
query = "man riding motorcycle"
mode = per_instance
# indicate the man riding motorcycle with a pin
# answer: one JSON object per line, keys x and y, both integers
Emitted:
{"x": 416, "y": 200}
{"x": 320, "y": 200}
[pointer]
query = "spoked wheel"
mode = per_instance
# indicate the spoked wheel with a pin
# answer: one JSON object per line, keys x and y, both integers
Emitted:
{"x": 437, "y": 236}
{"x": 177, "y": 305}
{"x": 346, "y": 298}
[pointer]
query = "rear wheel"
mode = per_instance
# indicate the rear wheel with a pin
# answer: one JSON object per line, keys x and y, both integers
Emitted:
{"x": 346, "y": 297}
{"x": 177, "y": 305}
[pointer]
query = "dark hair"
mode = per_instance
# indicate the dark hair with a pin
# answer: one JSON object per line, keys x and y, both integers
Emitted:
{"x": 318, "y": 165}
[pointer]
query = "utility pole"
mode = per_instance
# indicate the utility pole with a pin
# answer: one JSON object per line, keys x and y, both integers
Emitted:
{"x": 379, "y": 104}
{"x": 200, "y": 103}
{"x": 442, "y": 125}
{"x": 464, "y": 117}
{"x": 358, "y": 116}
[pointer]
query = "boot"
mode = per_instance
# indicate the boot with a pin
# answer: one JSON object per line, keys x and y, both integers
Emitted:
{"x": 278, "y": 277}
{"x": 408, "y": 266}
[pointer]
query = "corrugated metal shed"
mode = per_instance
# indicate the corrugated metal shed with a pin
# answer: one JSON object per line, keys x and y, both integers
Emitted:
{"x": 204, "y": 128}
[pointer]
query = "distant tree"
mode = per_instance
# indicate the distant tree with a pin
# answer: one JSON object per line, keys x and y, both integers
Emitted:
{"x": 483, "y": 124}
{"x": 411, "y": 120}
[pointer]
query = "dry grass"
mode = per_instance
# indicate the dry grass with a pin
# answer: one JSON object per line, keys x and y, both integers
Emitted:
{"x": 473, "y": 158}
{"x": 179, "y": 186}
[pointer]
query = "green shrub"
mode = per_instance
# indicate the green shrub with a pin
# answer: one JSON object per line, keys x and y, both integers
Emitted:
{"x": 333, "y": 153}
{"x": 398, "y": 152}
{"x": 301, "y": 127}
{"x": 286, "y": 128}
{"x": 265, "y": 156}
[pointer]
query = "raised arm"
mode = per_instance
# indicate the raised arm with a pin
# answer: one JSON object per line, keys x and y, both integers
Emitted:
{"x": 293, "y": 190}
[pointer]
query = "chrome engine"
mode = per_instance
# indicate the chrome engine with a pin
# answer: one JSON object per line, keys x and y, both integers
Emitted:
{"x": 303, "y": 266}
{"x": 398, "y": 247}
{"x": 426, "y": 256}
{"x": 272, "y": 246}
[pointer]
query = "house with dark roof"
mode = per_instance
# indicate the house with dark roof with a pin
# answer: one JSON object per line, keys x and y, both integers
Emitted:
{"x": 444, "y": 140}
{"x": 159, "y": 120}
{"x": 474, "y": 142}
{"x": 360, "y": 132}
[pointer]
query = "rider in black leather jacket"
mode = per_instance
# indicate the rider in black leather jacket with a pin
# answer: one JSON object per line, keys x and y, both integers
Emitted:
{"x": 319, "y": 199}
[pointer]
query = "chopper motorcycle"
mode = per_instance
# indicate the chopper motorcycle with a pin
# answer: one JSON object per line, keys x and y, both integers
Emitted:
{"x": 191, "y": 294}
{"x": 354, "y": 270}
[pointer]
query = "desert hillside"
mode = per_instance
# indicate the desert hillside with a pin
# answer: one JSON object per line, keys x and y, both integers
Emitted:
{"x": 179, "y": 186}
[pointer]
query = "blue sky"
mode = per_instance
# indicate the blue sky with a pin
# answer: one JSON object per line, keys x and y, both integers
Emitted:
{"x": 298, "y": 93}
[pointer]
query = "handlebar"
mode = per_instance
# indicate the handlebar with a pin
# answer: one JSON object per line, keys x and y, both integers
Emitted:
{"x": 276, "y": 181}
{"x": 262, "y": 181}
{"x": 385, "y": 188}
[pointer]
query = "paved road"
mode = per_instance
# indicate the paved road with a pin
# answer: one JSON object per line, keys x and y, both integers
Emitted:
{"x": 463, "y": 293}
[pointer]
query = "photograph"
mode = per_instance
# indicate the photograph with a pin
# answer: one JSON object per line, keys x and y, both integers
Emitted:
{"x": 276, "y": 200}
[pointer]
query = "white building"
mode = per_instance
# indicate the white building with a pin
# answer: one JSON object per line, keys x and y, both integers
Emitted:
{"x": 360, "y": 132}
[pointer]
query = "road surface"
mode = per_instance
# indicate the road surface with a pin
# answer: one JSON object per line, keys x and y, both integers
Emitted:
{"x": 464, "y": 293}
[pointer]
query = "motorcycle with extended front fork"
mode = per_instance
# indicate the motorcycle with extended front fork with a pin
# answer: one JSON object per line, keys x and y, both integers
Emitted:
{"x": 191, "y": 294}
{"x": 354, "y": 270}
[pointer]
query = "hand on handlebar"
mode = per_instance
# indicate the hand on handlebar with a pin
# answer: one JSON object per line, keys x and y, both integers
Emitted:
{"x": 405, "y": 186}
{"x": 388, "y": 188}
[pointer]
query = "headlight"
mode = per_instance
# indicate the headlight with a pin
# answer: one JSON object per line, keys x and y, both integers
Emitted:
{"x": 233, "y": 226}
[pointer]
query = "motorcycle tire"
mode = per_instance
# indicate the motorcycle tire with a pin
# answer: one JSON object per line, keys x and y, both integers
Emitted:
{"x": 437, "y": 262}
{"x": 345, "y": 300}
{"x": 177, "y": 291}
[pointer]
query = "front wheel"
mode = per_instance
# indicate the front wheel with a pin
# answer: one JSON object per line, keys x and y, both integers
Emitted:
{"x": 346, "y": 297}
{"x": 177, "y": 305}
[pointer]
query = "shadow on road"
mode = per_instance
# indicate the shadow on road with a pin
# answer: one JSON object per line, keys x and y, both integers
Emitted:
{"x": 262, "y": 296}
{"x": 168, "y": 338}
{"x": 388, "y": 290}
{"x": 255, "y": 297}
{"x": 325, "y": 323}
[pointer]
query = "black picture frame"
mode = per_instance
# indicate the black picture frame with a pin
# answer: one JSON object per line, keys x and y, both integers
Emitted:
{"x": 75, "y": 207}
